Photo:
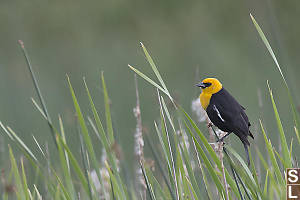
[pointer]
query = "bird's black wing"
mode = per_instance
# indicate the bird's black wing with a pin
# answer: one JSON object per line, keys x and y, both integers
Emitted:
{"x": 228, "y": 115}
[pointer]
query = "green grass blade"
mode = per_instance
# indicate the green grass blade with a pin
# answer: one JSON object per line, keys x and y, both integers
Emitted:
{"x": 160, "y": 163}
{"x": 155, "y": 70}
{"x": 165, "y": 136}
{"x": 62, "y": 187}
{"x": 158, "y": 190}
{"x": 266, "y": 184}
{"x": 149, "y": 186}
{"x": 256, "y": 175}
{"x": 285, "y": 149}
{"x": 115, "y": 185}
{"x": 291, "y": 148}
{"x": 266, "y": 167}
{"x": 64, "y": 166}
{"x": 57, "y": 193}
{"x": 64, "y": 161}
{"x": 187, "y": 160}
{"x": 22, "y": 145}
{"x": 39, "y": 108}
{"x": 236, "y": 171}
{"x": 245, "y": 173}
{"x": 164, "y": 146}
{"x": 25, "y": 186}
{"x": 94, "y": 189}
{"x": 209, "y": 167}
{"x": 281, "y": 159}
{"x": 272, "y": 156}
{"x": 110, "y": 154}
{"x": 254, "y": 172}
{"x": 297, "y": 134}
{"x": 85, "y": 166}
{"x": 107, "y": 112}
{"x": 262, "y": 159}
{"x": 168, "y": 114}
{"x": 62, "y": 131}
{"x": 267, "y": 44}
{"x": 76, "y": 167}
{"x": 207, "y": 163}
{"x": 211, "y": 152}
{"x": 206, "y": 184}
{"x": 191, "y": 188}
{"x": 39, "y": 147}
{"x": 19, "y": 185}
{"x": 166, "y": 155}
{"x": 6, "y": 131}
{"x": 100, "y": 132}
{"x": 167, "y": 143}
{"x": 179, "y": 169}
{"x": 30, "y": 195}
{"x": 39, "y": 196}
{"x": 244, "y": 165}
{"x": 84, "y": 131}
{"x": 38, "y": 91}
{"x": 147, "y": 79}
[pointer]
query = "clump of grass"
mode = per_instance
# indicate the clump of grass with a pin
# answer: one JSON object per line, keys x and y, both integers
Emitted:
{"x": 221, "y": 174}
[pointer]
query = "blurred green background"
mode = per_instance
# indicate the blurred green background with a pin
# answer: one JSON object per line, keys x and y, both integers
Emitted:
{"x": 188, "y": 40}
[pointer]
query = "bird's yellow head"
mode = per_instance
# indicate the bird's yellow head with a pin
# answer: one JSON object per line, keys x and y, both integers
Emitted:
{"x": 210, "y": 86}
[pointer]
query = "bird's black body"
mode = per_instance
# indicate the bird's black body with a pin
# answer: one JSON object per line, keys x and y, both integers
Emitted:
{"x": 229, "y": 116}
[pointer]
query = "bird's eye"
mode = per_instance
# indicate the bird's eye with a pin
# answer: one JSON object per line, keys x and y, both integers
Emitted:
{"x": 207, "y": 84}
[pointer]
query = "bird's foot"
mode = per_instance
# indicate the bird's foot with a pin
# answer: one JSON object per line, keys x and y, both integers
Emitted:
{"x": 209, "y": 125}
{"x": 221, "y": 140}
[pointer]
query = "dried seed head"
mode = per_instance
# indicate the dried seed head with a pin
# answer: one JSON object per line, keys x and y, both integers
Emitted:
{"x": 198, "y": 110}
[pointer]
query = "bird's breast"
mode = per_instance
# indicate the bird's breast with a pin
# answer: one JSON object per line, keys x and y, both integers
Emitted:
{"x": 205, "y": 99}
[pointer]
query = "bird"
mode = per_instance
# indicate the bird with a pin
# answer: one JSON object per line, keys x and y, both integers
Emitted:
{"x": 225, "y": 112}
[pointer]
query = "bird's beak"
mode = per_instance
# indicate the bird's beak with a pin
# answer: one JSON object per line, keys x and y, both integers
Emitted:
{"x": 202, "y": 85}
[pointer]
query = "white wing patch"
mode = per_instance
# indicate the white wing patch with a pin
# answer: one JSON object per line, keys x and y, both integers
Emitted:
{"x": 219, "y": 115}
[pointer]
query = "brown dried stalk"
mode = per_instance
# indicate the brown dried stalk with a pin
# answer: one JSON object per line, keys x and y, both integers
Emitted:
{"x": 139, "y": 143}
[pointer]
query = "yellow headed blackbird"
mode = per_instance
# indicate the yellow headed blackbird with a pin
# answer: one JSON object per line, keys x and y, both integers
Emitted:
{"x": 224, "y": 111}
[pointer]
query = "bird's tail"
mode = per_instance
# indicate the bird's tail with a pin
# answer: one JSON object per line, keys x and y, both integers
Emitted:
{"x": 247, "y": 153}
